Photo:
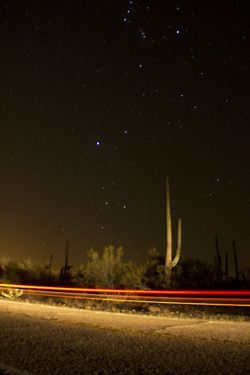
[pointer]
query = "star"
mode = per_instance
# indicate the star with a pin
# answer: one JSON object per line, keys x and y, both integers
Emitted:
{"x": 142, "y": 33}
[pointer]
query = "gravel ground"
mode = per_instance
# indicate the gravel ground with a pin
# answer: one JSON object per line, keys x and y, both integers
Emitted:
{"x": 42, "y": 339}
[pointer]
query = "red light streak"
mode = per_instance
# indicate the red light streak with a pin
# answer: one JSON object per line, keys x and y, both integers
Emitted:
{"x": 239, "y": 298}
{"x": 211, "y": 293}
{"x": 132, "y": 299}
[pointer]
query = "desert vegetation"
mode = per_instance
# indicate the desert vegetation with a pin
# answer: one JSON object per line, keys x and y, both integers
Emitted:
{"x": 108, "y": 269}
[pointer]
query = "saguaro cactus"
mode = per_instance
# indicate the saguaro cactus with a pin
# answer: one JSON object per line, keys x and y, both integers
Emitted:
{"x": 48, "y": 266}
{"x": 226, "y": 266}
{"x": 237, "y": 274}
{"x": 65, "y": 274}
{"x": 169, "y": 262}
{"x": 218, "y": 261}
{"x": 50, "y": 261}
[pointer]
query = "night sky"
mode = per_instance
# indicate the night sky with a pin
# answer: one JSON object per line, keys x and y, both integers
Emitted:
{"x": 100, "y": 101}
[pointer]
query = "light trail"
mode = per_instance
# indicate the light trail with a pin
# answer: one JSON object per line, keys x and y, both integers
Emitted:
{"x": 133, "y": 300}
{"x": 237, "y": 298}
{"x": 157, "y": 298}
{"x": 210, "y": 293}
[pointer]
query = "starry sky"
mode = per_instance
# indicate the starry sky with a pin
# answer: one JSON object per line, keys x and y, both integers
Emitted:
{"x": 100, "y": 101}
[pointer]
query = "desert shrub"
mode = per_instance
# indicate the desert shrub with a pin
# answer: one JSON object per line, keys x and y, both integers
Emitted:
{"x": 108, "y": 270}
{"x": 193, "y": 273}
{"x": 153, "y": 273}
{"x": 25, "y": 271}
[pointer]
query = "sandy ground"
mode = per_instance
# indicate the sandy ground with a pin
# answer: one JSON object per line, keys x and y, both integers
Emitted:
{"x": 42, "y": 339}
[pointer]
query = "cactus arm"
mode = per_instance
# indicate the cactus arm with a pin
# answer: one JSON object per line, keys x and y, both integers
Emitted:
{"x": 178, "y": 251}
{"x": 169, "y": 227}
{"x": 169, "y": 263}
